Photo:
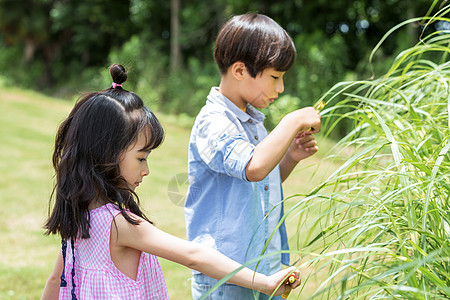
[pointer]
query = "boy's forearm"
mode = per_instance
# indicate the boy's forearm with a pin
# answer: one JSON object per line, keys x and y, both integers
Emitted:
{"x": 270, "y": 151}
{"x": 286, "y": 167}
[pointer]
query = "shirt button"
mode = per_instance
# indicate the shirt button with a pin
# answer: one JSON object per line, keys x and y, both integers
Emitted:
{"x": 266, "y": 188}
{"x": 250, "y": 121}
{"x": 256, "y": 137}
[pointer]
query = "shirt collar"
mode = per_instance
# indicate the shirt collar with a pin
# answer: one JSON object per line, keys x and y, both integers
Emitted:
{"x": 216, "y": 97}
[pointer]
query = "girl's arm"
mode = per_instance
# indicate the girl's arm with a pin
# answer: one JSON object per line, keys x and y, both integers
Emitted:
{"x": 51, "y": 289}
{"x": 272, "y": 149}
{"x": 146, "y": 237}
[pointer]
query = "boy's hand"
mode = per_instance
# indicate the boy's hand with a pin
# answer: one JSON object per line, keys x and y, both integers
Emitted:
{"x": 281, "y": 277}
{"x": 305, "y": 119}
{"x": 304, "y": 145}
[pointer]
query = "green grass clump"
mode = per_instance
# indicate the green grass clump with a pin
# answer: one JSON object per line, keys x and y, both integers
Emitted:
{"x": 383, "y": 225}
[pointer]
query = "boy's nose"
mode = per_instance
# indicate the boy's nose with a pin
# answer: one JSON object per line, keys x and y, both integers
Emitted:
{"x": 280, "y": 87}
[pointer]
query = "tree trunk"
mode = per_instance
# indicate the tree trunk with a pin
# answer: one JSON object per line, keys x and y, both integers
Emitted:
{"x": 175, "y": 52}
{"x": 30, "y": 49}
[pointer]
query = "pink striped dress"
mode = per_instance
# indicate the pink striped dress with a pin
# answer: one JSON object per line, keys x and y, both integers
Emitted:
{"x": 96, "y": 276}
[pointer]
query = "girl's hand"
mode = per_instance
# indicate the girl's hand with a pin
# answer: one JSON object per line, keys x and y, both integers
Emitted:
{"x": 274, "y": 281}
{"x": 304, "y": 145}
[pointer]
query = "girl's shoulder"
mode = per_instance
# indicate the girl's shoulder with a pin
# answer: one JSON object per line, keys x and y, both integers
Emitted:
{"x": 109, "y": 208}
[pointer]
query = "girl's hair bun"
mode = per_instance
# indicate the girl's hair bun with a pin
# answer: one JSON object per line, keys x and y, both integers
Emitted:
{"x": 118, "y": 73}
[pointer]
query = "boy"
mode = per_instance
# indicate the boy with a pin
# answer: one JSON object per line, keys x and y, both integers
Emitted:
{"x": 234, "y": 201}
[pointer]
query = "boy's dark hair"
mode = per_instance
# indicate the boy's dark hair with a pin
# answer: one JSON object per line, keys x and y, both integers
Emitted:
{"x": 256, "y": 40}
{"x": 88, "y": 148}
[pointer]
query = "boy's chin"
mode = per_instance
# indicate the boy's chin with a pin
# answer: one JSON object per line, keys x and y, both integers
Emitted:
{"x": 261, "y": 105}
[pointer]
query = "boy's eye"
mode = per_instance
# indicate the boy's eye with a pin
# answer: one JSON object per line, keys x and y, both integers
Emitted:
{"x": 142, "y": 159}
{"x": 275, "y": 77}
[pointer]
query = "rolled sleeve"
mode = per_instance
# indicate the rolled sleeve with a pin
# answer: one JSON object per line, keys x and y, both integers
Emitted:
{"x": 222, "y": 146}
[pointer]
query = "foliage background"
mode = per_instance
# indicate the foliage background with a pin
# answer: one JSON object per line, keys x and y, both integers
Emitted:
{"x": 60, "y": 47}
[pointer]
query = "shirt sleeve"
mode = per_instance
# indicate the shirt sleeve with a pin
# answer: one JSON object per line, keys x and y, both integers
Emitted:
{"x": 223, "y": 145}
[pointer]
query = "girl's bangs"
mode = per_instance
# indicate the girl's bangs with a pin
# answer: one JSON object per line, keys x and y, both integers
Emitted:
{"x": 152, "y": 130}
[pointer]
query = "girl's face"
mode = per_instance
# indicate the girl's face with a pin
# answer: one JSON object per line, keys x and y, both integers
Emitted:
{"x": 264, "y": 89}
{"x": 133, "y": 166}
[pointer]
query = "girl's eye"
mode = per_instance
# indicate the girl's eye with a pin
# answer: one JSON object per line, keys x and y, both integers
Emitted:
{"x": 142, "y": 159}
{"x": 275, "y": 77}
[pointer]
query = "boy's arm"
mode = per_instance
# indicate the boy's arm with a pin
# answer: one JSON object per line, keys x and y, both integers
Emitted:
{"x": 270, "y": 151}
{"x": 51, "y": 289}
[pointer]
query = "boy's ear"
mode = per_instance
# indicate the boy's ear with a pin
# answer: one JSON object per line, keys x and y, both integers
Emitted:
{"x": 238, "y": 70}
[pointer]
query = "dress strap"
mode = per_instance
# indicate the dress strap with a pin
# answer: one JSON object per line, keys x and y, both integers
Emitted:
{"x": 63, "y": 276}
{"x": 74, "y": 297}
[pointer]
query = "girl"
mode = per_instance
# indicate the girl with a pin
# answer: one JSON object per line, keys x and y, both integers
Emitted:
{"x": 109, "y": 247}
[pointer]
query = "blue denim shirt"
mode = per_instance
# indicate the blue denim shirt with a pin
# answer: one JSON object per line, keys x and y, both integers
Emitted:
{"x": 224, "y": 210}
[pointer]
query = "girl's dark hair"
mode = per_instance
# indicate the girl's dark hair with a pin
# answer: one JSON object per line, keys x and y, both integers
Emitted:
{"x": 256, "y": 40}
{"x": 88, "y": 148}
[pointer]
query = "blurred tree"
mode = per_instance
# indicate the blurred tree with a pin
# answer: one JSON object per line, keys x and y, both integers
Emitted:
{"x": 29, "y": 26}
{"x": 175, "y": 51}
{"x": 91, "y": 27}
{"x": 65, "y": 31}
{"x": 361, "y": 23}
{"x": 152, "y": 21}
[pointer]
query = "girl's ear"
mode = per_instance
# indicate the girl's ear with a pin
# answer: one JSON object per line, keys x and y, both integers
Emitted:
{"x": 238, "y": 70}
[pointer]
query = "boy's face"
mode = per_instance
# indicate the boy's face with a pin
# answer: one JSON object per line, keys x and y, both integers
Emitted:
{"x": 264, "y": 88}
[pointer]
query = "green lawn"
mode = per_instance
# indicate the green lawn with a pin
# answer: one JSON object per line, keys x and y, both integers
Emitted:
{"x": 28, "y": 122}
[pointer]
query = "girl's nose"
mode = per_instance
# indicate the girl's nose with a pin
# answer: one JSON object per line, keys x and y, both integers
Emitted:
{"x": 145, "y": 170}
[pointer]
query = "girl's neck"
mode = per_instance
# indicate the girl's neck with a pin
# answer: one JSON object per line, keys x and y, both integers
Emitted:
{"x": 95, "y": 204}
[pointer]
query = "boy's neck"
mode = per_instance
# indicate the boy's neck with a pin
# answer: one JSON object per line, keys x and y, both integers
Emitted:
{"x": 231, "y": 91}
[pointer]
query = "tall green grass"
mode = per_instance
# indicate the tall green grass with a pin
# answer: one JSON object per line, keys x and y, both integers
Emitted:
{"x": 382, "y": 229}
